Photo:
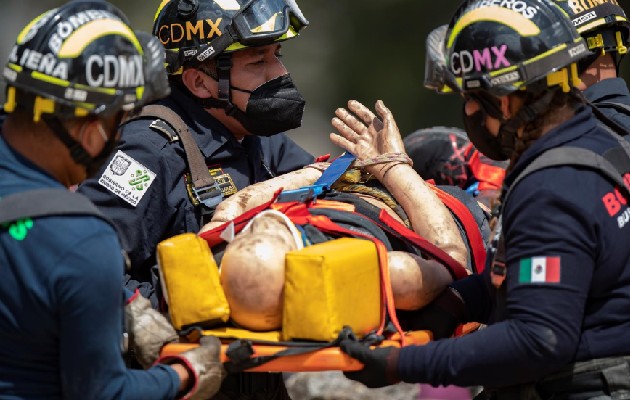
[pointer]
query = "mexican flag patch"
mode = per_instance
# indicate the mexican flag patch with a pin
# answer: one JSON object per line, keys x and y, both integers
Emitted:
{"x": 540, "y": 270}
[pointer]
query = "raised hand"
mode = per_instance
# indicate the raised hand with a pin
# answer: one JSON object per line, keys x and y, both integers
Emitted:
{"x": 364, "y": 134}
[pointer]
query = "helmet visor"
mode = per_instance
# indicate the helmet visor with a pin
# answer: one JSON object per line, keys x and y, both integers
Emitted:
{"x": 437, "y": 76}
{"x": 262, "y": 22}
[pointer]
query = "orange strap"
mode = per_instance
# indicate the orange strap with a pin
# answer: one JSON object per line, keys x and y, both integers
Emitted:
{"x": 473, "y": 234}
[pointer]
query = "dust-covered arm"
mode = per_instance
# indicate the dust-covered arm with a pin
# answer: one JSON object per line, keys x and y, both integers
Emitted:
{"x": 369, "y": 137}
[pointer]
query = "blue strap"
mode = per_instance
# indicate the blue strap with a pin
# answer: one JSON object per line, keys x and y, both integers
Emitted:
{"x": 473, "y": 189}
{"x": 323, "y": 184}
{"x": 335, "y": 170}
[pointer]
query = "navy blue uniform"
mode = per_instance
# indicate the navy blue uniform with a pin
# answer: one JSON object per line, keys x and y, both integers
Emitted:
{"x": 61, "y": 305}
{"x": 613, "y": 90}
{"x": 557, "y": 212}
{"x": 154, "y": 204}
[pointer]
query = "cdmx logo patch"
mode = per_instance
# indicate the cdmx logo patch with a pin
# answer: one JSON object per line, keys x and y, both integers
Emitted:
{"x": 140, "y": 180}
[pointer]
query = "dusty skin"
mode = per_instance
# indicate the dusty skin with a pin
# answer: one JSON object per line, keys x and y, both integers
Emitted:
{"x": 252, "y": 270}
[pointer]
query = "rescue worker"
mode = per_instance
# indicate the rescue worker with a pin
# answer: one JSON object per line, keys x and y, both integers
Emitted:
{"x": 606, "y": 29}
{"x": 559, "y": 269}
{"x": 73, "y": 74}
{"x": 235, "y": 97}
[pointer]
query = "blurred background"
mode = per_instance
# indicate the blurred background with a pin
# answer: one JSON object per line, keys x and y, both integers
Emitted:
{"x": 353, "y": 49}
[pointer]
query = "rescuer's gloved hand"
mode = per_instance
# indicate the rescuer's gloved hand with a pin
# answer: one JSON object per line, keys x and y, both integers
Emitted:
{"x": 442, "y": 316}
{"x": 205, "y": 366}
{"x": 148, "y": 330}
{"x": 379, "y": 364}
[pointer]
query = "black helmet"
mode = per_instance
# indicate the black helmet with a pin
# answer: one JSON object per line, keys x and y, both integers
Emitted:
{"x": 439, "y": 153}
{"x": 603, "y": 24}
{"x": 83, "y": 59}
{"x": 447, "y": 156}
{"x": 503, "y": 46}
{"x": 193, "y": 31}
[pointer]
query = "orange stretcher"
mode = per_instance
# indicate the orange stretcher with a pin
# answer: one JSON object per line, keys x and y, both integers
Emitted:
{"x": 331, "y": 358}
{"x": 263, "y": 348}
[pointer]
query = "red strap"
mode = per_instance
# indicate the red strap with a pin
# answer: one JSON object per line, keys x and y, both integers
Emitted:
{"x": 323, "y": 158}
{"x": 213, "y": 236}
{"x": 489, "y": 176}
{"x": 134, "y": 296}
{"x": 455, "y": 268}
{"x": 473, "y": 234}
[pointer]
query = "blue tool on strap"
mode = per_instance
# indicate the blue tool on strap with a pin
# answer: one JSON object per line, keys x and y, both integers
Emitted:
{"x": 323, "y": 184}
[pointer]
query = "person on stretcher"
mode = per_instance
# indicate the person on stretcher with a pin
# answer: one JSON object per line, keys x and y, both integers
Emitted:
{"x": 252, "y": 266}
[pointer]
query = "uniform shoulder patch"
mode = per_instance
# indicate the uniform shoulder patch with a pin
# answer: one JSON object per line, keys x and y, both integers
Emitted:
{"x": 165, "y": 129}
{"x": 541, "y": 269}
{"x": 127, "y": 178}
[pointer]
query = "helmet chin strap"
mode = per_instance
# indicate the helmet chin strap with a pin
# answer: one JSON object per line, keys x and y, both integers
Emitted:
{"x": 224, "y": 100}
{"x": 508, "y": 132}
{"x": 77, "y": 152}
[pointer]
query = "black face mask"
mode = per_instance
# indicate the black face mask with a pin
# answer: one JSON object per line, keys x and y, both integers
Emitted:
{"x": 275, "y": 106}
{"x": 481, "y": 138}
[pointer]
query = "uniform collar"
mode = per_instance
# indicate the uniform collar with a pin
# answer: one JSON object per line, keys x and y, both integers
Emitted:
{"x": 209, "y": 134}
{"x": 607, "y": 90}
{"x": 579, "y": 125}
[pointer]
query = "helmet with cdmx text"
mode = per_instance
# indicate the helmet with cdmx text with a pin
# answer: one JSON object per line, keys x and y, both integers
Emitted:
{"x": 503, "y": 46}
{"x": 494, "y": 48}
{"x": 83, "y": 59}
{"x": 602, "y": 23}
{"x": 193, "y": 31}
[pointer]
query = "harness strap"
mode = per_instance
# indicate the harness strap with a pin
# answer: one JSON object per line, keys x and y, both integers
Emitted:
{"x": 29, "y": 204}
{"x": 205, "y": 188}
{"x": 388, "y": 222}
{"x": 213, "y": 236}
{"x": 61, "y": 202}
{"x": 573, "y": 156}
{"x": 330, "y": 175}
{"x": 623, "y": 108}
{"x": 473, "y": 234}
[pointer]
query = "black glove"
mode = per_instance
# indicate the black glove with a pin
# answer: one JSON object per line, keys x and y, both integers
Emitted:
{"x": 379, "y": 364}
{"x": 441, "y": 317}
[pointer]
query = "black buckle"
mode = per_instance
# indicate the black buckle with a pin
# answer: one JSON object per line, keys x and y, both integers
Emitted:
{"x": 239, "y": 351}
{"x": 209, "y": 196}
